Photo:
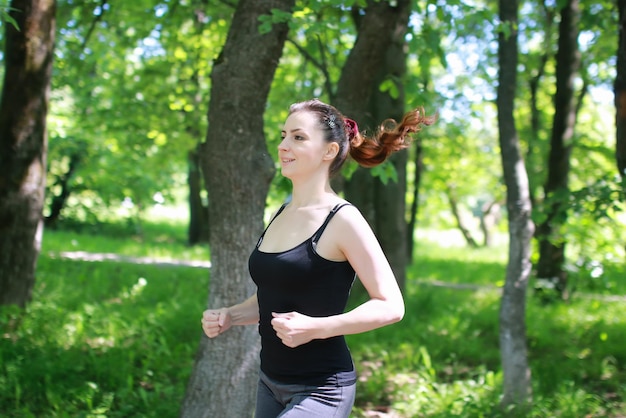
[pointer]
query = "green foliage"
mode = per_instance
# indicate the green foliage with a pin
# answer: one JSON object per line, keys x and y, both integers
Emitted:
{"x": 506, "y": 28}
{"x": 442, "y": 360}
{"x": 118, "y": 339}
{"x": 594, "y": 238}
{"x": 385, "y": 172}
{"x": 101, "y": 339}
{"x": 277, "y": 16}
{"x": 5, "y": 16}
{"x": 318, "y": 44}
{"x": 130, "y": 88}
{"x": 390, "y": 86}
{"x": 603, "y": 198}
{"x": 132, "y": 79}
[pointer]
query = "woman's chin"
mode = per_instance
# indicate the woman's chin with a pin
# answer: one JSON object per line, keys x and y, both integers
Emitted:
{"x": 286, "y": 172}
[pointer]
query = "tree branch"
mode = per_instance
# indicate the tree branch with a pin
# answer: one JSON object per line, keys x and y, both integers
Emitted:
{"x": 95, "y": 21}
{"x": 321, "y": 65}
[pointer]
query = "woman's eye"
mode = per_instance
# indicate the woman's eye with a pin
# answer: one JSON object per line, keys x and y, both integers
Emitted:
{"x": 298, "y": 138}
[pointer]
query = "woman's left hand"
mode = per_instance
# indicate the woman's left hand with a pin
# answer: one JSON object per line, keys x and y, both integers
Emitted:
{"x": 293, "y": 328}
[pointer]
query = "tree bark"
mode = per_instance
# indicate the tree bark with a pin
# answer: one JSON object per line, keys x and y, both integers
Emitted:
{"x": 550, "y": 267}
{"x": 376, "y": 55}
{"x": 58, "y": 201}
{"x": 391, "y": 225}
{"x": 198, "y": 231}
{"x": 488, "y": 219}
{"x": 363, "y": 67}
{"x": 418, "y": 158}
{"x": 389, "y": 199}
{"x": 23, "y": 144}
{"x": 620, "y": 92}
{"x": 237, "y": 169}
{"x": 516, "y": 372}
{"x": 533, "y": 148}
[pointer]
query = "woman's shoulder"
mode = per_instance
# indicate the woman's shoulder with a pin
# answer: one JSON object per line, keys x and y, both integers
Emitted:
{"x": 351, "y": 230}
{"x": 345, "y": 205}
{"x": 349, "y": 213}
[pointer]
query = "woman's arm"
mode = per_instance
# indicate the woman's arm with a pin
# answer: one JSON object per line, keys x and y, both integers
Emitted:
{"x": 216, "y": 321}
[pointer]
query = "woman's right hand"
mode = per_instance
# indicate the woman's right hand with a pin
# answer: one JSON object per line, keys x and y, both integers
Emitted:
{"x": 216, "y": 321}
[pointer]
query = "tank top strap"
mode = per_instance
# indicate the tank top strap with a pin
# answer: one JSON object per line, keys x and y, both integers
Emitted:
{"x": 332, "y": 213}
{"x": 282, "y": 207}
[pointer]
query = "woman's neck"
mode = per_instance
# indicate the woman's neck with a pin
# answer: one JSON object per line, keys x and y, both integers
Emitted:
{"x": 303, "y": 197}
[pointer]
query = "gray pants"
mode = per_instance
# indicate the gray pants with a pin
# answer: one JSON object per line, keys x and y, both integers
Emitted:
{"x": 333, "y": 399}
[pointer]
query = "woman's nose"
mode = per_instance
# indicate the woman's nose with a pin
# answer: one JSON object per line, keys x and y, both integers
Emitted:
{"x": 283, "y": 144}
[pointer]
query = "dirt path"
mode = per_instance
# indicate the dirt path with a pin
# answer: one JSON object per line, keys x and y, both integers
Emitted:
{"x": 87, "y": 256}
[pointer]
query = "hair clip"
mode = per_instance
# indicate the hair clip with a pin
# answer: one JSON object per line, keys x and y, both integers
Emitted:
{"x": 331, "y": 121}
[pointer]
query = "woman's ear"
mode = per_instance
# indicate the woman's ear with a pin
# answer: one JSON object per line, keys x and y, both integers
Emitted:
{"x": 331, "y": 151}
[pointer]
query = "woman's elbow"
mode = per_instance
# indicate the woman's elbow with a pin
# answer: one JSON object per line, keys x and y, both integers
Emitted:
{"x": 399, "y": 313}
{"x": 395, "y": 313}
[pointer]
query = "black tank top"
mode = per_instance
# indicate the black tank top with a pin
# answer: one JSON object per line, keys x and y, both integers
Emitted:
{"x": 301, "y": 280}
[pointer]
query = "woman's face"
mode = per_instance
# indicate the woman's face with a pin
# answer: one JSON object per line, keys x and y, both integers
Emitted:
{"x": 303, "y": 150}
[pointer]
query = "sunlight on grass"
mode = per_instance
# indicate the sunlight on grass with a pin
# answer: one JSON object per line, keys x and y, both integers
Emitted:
{"x": 154, "y": 241}
{"x": 117, "y": 339}
{"x": 485, "y": 266}
{"x": 107, "y": 339}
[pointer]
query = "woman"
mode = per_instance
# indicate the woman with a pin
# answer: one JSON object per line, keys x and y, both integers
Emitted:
{"x": 304, "y": 265}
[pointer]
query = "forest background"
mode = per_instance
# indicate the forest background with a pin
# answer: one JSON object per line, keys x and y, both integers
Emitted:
{"x": 128, "y": 136}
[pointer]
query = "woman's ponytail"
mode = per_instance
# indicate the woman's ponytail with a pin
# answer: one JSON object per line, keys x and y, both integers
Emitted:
{"x": 390, "y": 137}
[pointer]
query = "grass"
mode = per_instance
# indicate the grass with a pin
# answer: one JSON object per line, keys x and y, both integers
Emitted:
{"x": 162, "y": 240}
{"x": 117, "y": 339}
{"x": 101, "y": 339}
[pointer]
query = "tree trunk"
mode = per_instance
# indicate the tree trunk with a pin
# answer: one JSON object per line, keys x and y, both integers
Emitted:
{"x": 417, "y": 180}
{"x": 390, "y": 201}
{"x": 59, "y": 201}
{"x": 374, "y": 57}
{"x": 359, "y": 190}
{"x": 620, "y": 92}
{"x": 534, "y": 158}
{"x": 358, "y": 81}
{"x": 488, "y": 219}
{"x": 550, "y": 267}
{"x": 237, "y": 169}
{"x": 454, "y": 206}
{"x": 23, "y": 144}
{"x": 516, "y": 372}
{"x": 198, "y": 231}
{"x": 391, "y": 225}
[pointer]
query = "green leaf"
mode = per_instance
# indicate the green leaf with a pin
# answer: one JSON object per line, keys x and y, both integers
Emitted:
{"x": 276, "y": 16}
{"x": 385, "y": 172}
{"x": 390, "y": 87}
{"x": 5, "y": 15}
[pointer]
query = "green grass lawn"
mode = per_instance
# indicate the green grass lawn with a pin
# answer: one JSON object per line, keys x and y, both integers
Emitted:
{"x": 117, "y": 339}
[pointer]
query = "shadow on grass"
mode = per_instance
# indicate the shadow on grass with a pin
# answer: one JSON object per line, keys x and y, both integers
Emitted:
{"x": 118, "y": 339}
{"x": 109, "y": 339}
{"x": 449, "y": 340}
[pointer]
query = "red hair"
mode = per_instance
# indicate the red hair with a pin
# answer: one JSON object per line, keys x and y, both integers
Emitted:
{"x": 365, "y": 150}
{"x": 390, "y": 137}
